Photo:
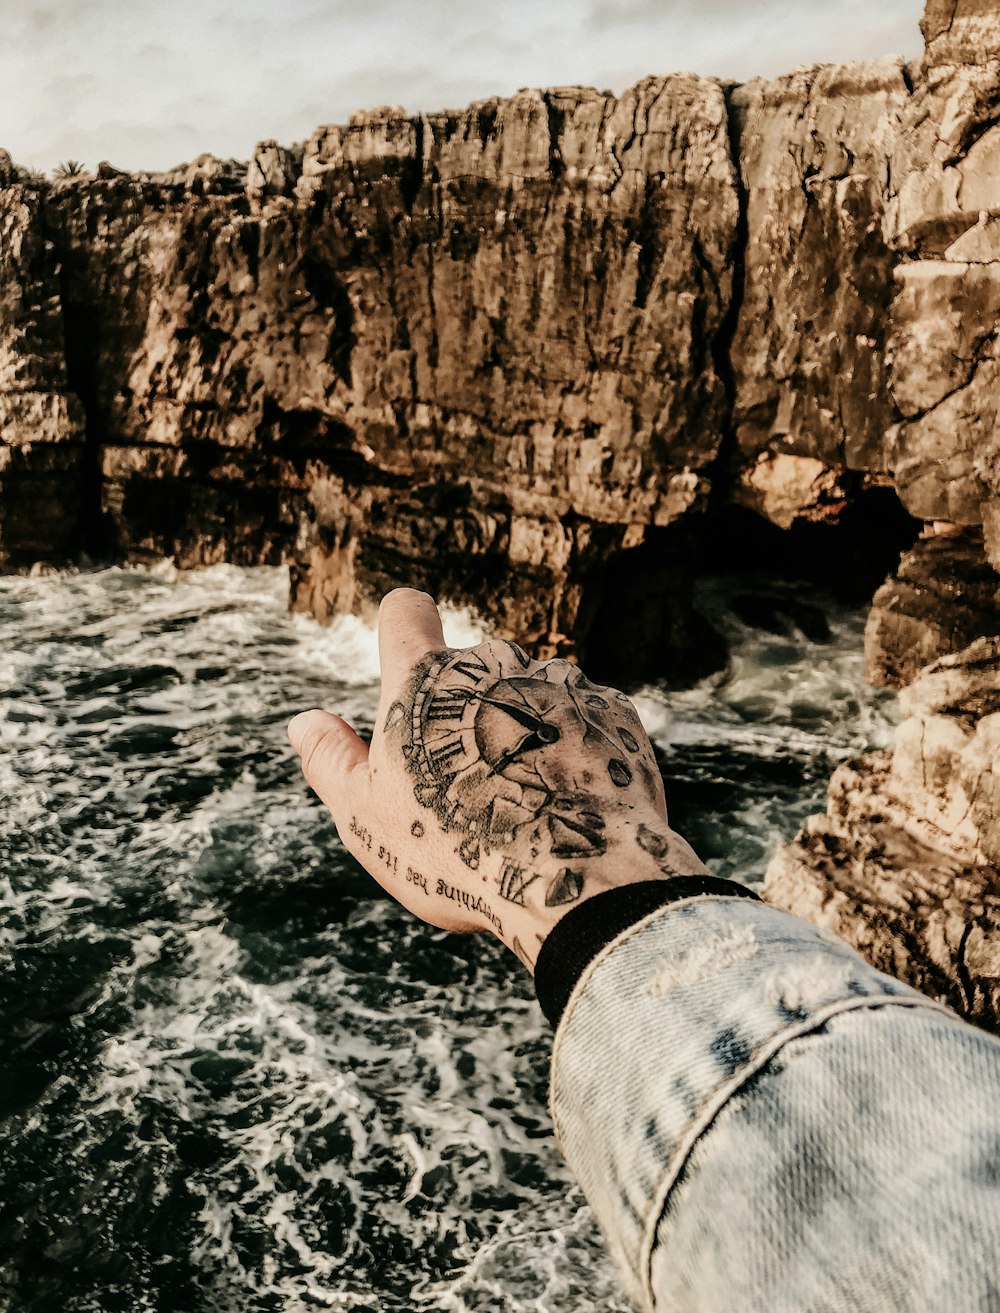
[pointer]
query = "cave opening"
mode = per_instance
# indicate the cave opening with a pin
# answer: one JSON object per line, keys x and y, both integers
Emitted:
{"x": 848, "y": 556}
{"x": 642, "y": 621}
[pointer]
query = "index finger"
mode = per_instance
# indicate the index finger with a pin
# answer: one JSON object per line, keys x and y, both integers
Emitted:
{"x": 409, "y": 626}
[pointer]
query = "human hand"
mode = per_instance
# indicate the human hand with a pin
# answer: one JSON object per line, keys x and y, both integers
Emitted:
{"x": 498, "y": 791}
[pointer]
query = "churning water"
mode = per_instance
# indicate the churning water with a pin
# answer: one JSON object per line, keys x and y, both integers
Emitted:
{"x": 235, "y": 1076}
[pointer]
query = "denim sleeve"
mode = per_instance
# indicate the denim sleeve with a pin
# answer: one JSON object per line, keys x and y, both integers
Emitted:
{"x": 762, "y": 1121}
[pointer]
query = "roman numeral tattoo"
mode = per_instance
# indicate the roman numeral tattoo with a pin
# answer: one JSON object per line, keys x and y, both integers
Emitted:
{"x": 471, "y": 670}
{"x": 514, "y": 882}
{"x": 449, "y": 704}
{"x": 442, "y": 756}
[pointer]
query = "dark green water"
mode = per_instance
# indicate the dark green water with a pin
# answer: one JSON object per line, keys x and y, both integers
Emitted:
{"x": 234, "y": 1076}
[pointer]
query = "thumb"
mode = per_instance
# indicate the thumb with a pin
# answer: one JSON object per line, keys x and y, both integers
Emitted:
{"x": 332, "y": 754}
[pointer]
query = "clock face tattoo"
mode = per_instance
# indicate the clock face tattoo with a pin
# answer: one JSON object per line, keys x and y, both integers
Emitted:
{"x": 503, "y": 747}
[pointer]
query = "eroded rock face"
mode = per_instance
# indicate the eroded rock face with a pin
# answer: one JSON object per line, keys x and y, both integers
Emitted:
{"x": 512, "y": 354}
{"x": 905, "y": 864}
{"x": 508, "y": 353}
{"x": 471, "y": 351}
{"x": 41, "y": 419}
{"x": 943, "y": 596}
{"x": 809, "y": 349}
{"x": 945, "y": 374}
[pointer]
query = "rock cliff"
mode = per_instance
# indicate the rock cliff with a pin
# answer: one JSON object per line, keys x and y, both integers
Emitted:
{"x": 476, "y": 351}
{"x": 527, "y": 354}
{"x": 905, "y": 863}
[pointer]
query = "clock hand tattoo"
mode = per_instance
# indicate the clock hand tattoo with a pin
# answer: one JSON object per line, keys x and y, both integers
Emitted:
{"x": 540, "y": 798}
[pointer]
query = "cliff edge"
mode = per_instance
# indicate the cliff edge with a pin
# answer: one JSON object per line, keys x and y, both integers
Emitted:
{"x": 531, "y": 355}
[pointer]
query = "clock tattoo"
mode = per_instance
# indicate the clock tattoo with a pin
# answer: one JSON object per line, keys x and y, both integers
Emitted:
{"x": 503, "y": 748}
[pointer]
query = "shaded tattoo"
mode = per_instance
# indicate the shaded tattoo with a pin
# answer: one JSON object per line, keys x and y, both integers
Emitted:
{"x": 658, "y": 847}
{"x": 565, "y": 888}
{"x": 395, "y": 715}
{"x": 514, "y": 882}
{"x": 651, "y": 841}
{"x": 497, "y": 746}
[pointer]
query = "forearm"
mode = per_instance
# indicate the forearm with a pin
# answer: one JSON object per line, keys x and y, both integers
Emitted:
{"x": 743, "y": 1100}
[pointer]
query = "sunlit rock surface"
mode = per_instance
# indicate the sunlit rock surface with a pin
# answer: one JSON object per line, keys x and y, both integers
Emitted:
{"x": 523, "y": 353}
{"x": 512, "y": 352}
{"x": 905, "y": 863}
{"x": 809, "y": 351}
{"x": 943, "y": 596}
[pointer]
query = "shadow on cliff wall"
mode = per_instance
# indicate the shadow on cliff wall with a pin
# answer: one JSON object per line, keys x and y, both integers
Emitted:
{"x": 641, "y": 621}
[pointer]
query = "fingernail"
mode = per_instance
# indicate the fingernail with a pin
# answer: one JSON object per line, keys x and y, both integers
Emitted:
{"x": 297, "y": 727}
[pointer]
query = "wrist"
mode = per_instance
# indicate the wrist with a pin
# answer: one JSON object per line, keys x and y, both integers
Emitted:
{"x": 587, "y": 930}
{"x": 537, "y": 897}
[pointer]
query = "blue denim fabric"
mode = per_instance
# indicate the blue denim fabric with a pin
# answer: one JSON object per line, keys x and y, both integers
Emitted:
{"x": 763, "y": 1121}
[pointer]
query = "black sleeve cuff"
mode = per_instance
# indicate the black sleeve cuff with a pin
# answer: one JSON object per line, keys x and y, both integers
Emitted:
{"x": 576, "y": 939}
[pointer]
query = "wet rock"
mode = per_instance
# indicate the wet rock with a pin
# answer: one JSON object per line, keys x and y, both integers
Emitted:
{"x": 943, "y": 596}
{"x": 905, "y": 864}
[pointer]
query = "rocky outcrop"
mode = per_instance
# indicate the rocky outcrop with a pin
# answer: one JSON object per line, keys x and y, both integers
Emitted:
{"x": 533, "y": 355}
{"x": 943, "y": 596}
{"x": 41, "y": 418}
{"x": 513, "y": 353}
{"x": 811, "y": 397}
{"x": 905, "y": 863}
{"x": 475, "y": 351}
{"x": 944, "y": 217}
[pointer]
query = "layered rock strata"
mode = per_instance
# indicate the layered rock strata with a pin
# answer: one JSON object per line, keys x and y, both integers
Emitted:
{"x": 811, "y": 397}
{"x": 944, "y": 218}
{"x": 472, "y": 351}
{"x": 514, "y": 353}
{"x": 943, "y": 596}
{"x": 905, "y": 863}
{"x": 502, "y": 351}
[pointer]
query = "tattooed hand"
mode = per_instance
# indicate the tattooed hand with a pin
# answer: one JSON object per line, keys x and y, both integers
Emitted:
{"x": 498, "y": 792}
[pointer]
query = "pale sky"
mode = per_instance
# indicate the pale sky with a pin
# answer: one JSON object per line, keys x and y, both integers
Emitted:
{"x": 148, "y": 84}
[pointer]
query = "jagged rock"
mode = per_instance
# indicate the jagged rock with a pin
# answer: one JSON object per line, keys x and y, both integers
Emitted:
{"x": 905, "y": 864}
{"x": 480, "y": 355}
{"x": 8, "y": 169}
{"x": 945, "y": 381}
{"x": 808, "y": 351}
{"x": 943, "y": 596}
{"x": 499, "y": 350}
{"x": 273, "y": 171}
{"x": 41, "y": 420}
{"x": 945, "y": 374}
{"x": 960, "y": 31}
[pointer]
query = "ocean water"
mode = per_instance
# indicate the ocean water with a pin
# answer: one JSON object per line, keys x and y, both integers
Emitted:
{"x": 235, "y": 1076}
